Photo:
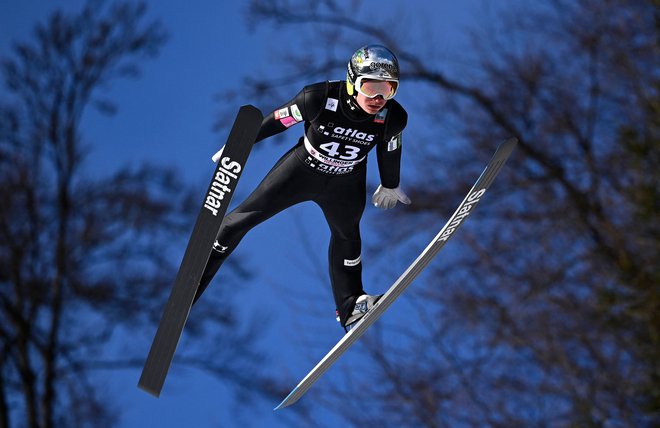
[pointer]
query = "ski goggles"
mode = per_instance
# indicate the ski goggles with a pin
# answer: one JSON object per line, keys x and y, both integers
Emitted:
{"x": 371, "y": 88}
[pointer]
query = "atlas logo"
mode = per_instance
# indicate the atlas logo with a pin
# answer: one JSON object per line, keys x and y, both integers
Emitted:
{"x": 226, "y": 172}
{"x": 352, "y": 133}
{"x": 332, "y": 169}
{"x": 461, "y": 214}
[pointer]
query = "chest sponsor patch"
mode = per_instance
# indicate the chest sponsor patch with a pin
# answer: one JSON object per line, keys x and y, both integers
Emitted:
{"x": 331, "y": 104}
{"x": 380, "y": 116}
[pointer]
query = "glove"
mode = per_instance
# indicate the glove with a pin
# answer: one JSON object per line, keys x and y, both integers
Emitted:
{"x": 216, "y": 157}
{"x": 387, "y": 198}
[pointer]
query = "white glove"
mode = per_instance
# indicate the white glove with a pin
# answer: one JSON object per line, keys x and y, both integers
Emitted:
{"x": 216, "y": 157}
{"x": 387, "y": 198}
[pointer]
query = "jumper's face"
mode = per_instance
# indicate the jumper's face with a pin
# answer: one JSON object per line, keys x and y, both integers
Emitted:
{"x": 370, "y": 105}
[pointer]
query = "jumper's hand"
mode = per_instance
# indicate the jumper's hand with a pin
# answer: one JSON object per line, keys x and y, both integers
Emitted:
{"x": 386, "y": 198}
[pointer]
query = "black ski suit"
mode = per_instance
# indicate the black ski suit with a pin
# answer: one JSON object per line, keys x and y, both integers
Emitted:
{"x": 327, "y": 166}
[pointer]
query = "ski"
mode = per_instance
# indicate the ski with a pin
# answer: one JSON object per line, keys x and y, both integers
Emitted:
{"x": 216, "y": 199}
{"x": 455, "y": 221}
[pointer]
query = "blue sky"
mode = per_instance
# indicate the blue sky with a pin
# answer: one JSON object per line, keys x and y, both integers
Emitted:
{"x": 166, "y": 117}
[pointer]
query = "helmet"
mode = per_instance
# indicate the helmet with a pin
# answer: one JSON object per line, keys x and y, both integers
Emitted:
{"x": 372, "y": 62}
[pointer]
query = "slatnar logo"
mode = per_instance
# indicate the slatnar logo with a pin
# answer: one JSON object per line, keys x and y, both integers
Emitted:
{"x": 461, "y": 214}
{"x": 226, "y": 172}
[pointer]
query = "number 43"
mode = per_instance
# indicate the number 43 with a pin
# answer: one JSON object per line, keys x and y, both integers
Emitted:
{"x": 350, "y": 152}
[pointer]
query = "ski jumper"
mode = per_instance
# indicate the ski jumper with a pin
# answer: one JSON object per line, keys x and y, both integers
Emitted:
{"x": 326, "y": 166}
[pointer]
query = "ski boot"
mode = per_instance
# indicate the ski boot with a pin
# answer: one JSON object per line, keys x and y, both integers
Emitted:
{"x": 363, "y": 304}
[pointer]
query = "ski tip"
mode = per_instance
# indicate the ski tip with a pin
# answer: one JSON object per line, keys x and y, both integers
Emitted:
{"x": 289, "y": 400}
{"x": 511, "y": 142}
{"x": 507, "y": 147}
{"x": 150, "y": 390}
{"x": 280, "y": 406}
{"x": 250, "y": 107}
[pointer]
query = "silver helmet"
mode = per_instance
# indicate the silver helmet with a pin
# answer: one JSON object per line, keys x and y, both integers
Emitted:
{"x": 372, "y": 62}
